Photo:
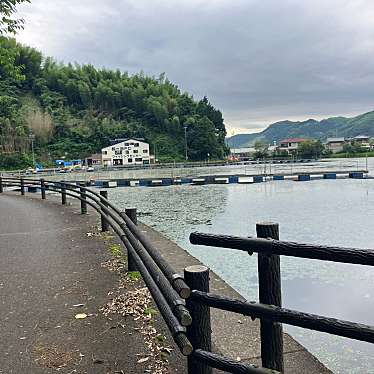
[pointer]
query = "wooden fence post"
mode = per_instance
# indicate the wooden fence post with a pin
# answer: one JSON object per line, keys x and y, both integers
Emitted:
{"x": 104, "y": 222}
{"x": 42, "y": 188}
{"x": 22, "y": 186}
{"x": 1, "y": 185}
{"x": 63, "y": 193}
{"x": 270, "y": 292}
{"x": 199, "y": 332}
{"x": 83, "y": 201}
{"x": 131, "y": 213}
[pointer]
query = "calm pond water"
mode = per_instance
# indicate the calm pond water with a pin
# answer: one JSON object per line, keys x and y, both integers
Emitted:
{"x": 334, "y": 212}
{"x": 251, "y": 169}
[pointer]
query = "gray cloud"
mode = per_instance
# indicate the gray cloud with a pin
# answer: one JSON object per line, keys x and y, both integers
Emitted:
{"x": 257, "y": 60}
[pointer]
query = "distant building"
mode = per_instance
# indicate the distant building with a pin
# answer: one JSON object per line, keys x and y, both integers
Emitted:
{"x": 291, "y": 144}
{"x": 242, "y": 154}
{"x": 362, "y": 140}
{"x": 94, "y": 159}
{"x": 272, "y": 148}
{"x": 335, "y": 145}
{"x": 126, "y": 152}
{"x": 68, "y": 164}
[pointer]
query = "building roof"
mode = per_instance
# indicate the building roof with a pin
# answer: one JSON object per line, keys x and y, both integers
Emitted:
{"x": 361, "y": 137}
{"x": 118, "y": 141}
{"x": 293, "y": 140}
{"x": 335, "y": 140}
{"x": 121, "y": 140}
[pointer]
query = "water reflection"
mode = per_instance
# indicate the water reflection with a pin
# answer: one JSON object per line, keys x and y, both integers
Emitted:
{"x": 322, "y": 212}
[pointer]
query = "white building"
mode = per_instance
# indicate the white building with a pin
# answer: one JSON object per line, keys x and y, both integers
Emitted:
{"x": 126, "y": 152}
{"x": 291, "y": 144}
{"x": 362, "y": 140}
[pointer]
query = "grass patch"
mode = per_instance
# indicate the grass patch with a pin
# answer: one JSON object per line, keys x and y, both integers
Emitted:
{"x": 160, "y": 338}
{"x": 115, "y": 250}
{"x": 164, "y": 356}
{"x": 133, "y": 276}
{"x": 150, "y": 312}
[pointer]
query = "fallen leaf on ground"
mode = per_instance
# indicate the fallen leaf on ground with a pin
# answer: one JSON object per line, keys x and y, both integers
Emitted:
{"x": 81, "y": 316}
{"x": 143, "y": 360}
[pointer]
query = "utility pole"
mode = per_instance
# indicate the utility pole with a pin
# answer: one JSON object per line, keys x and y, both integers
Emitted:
{"x": 185, "y": 142}
{"x": 233, "y": 143}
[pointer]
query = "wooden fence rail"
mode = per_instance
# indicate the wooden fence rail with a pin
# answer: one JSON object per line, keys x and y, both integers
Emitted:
{"x": 356, "y": 256}
{"x": 269, "y": 310}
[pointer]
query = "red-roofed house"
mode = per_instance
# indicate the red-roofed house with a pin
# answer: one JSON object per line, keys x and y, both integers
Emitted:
{"x": 291, "y": 144}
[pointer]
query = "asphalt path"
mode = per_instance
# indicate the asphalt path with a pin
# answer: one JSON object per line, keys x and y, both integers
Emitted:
{"x": 50, "y": 271}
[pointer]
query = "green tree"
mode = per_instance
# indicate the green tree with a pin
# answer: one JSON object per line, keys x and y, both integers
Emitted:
{"x": 353, "y": 147}
{"x": 310, "y": 148}
{"x": 202, "y": 142}
{"x": 9, "y": 70}
{"x": 261, "y": 149}
{"x": 205, "y": 108}
{"x": 8, "y": 24}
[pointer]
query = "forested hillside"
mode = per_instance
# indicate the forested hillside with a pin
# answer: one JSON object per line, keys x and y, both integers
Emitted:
{"x": 330, "y": 127}
{"x": 74, "y": 110}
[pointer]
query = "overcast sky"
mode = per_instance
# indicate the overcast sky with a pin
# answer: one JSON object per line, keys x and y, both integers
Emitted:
{"x": 259, "y": 61}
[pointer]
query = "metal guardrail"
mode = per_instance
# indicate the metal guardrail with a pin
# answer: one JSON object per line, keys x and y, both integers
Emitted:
{"x": 176, "y": 296}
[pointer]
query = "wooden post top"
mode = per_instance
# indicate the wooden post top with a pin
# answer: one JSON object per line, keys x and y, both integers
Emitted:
{"x": 267, "y": 223}
{"x": 267, "y": 230}
{"x": 196, "y": 269}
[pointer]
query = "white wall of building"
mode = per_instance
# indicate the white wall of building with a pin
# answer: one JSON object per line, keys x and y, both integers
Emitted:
{"x": 290, "y": 146}
{"x": 127, "y": 152}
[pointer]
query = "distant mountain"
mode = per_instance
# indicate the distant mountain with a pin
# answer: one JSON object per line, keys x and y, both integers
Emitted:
{"x": 330, "y": 127}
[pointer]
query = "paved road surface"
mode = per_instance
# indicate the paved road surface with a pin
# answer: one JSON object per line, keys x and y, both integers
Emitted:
{"x": 48, "y": 265}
